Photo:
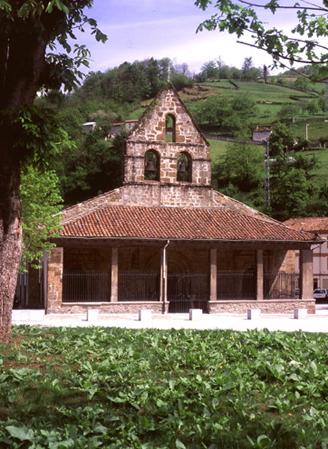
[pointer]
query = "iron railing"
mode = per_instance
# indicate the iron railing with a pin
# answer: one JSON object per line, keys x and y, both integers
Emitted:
{"x": 22, "y": 290}
{"x": 86, "y": 287}
{"x": 187, "y": 291}
{"x": 138, "y": 286}
{"x": 236, "y": 285}
{"x": 280, "y": 285}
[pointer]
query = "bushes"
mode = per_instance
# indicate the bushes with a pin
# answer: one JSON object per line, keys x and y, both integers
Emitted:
{"x": 113, "y": 388}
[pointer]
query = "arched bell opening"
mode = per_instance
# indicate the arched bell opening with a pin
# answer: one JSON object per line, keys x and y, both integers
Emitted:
{"x": 152, "y": 166}
{"x": 184, "y": 167}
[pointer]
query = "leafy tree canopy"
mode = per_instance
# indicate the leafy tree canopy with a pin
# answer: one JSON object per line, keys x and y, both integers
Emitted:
{"x": 41, "y": 204}
{"x": 302, "y": 45}
{"x": 35, "y": 55}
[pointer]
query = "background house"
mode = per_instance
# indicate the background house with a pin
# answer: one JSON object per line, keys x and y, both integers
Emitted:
{"x": 318, "y": 225}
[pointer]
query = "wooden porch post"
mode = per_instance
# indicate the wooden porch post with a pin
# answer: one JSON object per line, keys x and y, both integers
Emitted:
{"x": 213, "y": 276}
{"x": 259, "y": 275}
{"x": 306, "y": 273}
{"x": 114, "y": 277}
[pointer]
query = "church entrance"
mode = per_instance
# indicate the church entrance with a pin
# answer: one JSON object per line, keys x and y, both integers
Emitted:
{"x": 188, "y": 280}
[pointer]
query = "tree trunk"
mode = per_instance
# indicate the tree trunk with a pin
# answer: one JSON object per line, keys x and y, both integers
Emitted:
{"x": 10, "y": 236}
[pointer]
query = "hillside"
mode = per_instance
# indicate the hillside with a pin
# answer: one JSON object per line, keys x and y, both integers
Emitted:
{"x": 222, "y": 108}
{"x": 269, "y": 100}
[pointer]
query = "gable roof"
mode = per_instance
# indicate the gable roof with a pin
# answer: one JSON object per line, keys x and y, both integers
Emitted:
{"x": 176, "y": 223}
{"x": 311, "y": 224}
{"x": 149, "y": 111}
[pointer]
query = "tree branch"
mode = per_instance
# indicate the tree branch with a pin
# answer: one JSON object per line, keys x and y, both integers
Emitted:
{"x": 278, "y": 55}
{"x": 308, "y": 8}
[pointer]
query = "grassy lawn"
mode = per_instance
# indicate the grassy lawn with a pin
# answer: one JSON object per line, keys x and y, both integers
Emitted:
{"x": 318, "y": 127}
{"x": 151, "y": 389}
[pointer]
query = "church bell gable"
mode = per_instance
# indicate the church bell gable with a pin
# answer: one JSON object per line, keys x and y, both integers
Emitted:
{"x": 168, "y": 131}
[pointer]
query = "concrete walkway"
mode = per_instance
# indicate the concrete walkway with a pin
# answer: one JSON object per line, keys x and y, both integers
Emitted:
{"x": 283, "y": 322}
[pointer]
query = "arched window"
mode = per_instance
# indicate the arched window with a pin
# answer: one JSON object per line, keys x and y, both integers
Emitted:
{"x": 184, "y": 167}
{"x": 170, "y": 128}
{"x": 152, "y": 165}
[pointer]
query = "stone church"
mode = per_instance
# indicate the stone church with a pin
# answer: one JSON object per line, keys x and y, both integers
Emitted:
{"x": 166, "y": 241}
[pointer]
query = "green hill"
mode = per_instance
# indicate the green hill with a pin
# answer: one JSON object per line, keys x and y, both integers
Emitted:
{"x": 269, "y": 100}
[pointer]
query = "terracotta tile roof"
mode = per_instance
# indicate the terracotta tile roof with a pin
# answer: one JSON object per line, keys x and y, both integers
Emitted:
{"x": 311, "y": 224}
{"x": 134, "y": 222}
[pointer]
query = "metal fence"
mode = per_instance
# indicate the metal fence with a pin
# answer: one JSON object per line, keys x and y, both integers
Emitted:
{"x": 22, "y": 290}
{"x": 86, "y": 287}
{"x": 138, "y": 286}
{"x": 186, "y": 291}
{"x": 280, "y": 286}
{"x": 236, "y": 285}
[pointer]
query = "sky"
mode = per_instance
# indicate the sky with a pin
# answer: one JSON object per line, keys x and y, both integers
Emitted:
{"x": 140, "y": 29}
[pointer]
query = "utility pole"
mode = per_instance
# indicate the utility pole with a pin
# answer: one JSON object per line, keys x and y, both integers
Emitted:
{"x": 306, "y": 131}
{"x": 267, "y": 175}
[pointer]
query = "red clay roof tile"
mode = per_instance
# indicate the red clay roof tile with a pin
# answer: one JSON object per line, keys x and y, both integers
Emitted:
{"x": 311, "y": 224}
{"x": 134, "y": 222}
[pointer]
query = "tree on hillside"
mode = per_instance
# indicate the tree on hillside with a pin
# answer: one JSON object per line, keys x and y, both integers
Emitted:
{"x": 303, "y": 44}
{"x": 29, "y": 62}
{"x": 232, "y": 115}
{"x": 281, "y": 140}
{"x": 240, "y": 173}
{"x": 291, "y": 177}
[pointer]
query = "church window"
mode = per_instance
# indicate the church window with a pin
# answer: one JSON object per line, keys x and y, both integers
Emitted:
{"x": 152, "y": 165}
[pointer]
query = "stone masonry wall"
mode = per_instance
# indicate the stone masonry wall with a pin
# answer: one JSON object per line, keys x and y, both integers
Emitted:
{"x": 55, "y": 285}
{"x": 152, "y": 125}
{"x": 150, "y": 135}
{"x": 169, "y": 152}
{"x": 266, "y": 306}
{"x": 110, "y": 307}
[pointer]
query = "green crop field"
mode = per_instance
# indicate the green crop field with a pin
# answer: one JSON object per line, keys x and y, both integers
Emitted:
{"x": 269, "y": 98}
{"x": 151, "y": 389}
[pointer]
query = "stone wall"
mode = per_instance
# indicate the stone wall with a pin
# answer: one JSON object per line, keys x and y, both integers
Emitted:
{"x": 111, "y": 307}
{"x": 168, "y": 154}
{"x": 237, "y": 307}
{"x": 266, "y": 306}
{"x": 152, "y": 125}
{"x": 55, "y": 280}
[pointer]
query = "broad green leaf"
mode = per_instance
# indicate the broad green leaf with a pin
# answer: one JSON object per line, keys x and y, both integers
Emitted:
{"x": 179, "y": 444}
{"x": 20, "y": 433}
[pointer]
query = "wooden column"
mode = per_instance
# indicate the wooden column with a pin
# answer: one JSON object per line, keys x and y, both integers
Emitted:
{"x": 306, "y": 273}
{"x": 114, "y": 277}
{"x": 213, "y": 276}
{"x": 259, "y": 275}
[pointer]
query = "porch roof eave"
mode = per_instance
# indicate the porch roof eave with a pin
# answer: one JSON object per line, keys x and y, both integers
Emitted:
{"x": 120, "y": 239}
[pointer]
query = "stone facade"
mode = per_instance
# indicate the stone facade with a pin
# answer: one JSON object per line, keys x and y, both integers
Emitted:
{"x": 266, "y": 306}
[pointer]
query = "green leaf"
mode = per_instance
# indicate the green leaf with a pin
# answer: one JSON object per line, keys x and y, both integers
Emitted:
{"x": 20, "y": 433}
{"x": 179, "y": 444}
